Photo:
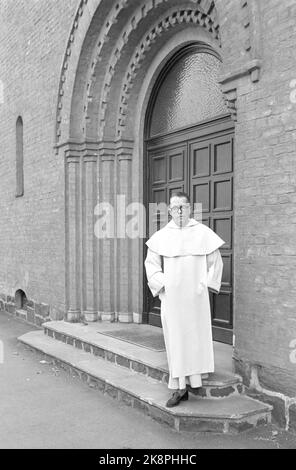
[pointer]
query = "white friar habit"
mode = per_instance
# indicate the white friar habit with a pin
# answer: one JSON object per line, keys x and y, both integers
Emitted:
{"x": 191, "y": 263}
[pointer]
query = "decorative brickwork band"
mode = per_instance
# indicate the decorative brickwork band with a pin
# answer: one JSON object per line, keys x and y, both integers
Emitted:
{"x": 201, "y": 13}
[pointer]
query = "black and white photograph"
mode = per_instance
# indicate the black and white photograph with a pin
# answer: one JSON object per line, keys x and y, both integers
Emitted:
{"x": 147, "y": 228}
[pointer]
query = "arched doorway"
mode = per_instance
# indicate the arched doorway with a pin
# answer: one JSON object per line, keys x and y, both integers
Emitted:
{"x": 189, "y": 147}
{"x": 119, "y": 63}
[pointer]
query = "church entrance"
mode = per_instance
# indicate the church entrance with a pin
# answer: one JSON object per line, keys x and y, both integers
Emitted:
{"x": 189, "y": 147}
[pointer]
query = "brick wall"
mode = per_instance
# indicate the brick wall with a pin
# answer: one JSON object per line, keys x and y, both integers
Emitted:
{"x": 265, "y": 209}
{"x": 33, "y": 38}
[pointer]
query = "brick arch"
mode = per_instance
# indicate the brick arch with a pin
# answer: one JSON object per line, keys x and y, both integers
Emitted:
{"x": 144, "y": 84}
{"x": 100, "y": 169}
{"x": 100, "y": 79}
{"x": 94, "y": 26}
{"x": 184, "y": 15}
{"x": 103, "y": 166}
{"x": 93, "y": 18}
{"x": 95, "y": 35}
{"x": 194, "y": 17}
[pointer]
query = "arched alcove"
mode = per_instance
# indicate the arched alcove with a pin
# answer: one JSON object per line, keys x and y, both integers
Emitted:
{"x": 20, "y": 300}
{"x": 105, "y": 88}
{"x": 19, "y": 157}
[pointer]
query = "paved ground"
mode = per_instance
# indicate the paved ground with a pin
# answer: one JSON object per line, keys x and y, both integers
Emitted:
{"x": 44, "y": 407}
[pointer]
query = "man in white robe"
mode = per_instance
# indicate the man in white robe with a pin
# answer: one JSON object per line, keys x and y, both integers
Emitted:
{"x": 183, "y": 262}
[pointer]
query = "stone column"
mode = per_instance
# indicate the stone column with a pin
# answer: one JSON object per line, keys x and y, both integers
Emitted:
{"x": 124, "y": 244}
{"x": 72, "y": 230}
{"x": 106, "y": 195}
{"x": 89, "y": 245}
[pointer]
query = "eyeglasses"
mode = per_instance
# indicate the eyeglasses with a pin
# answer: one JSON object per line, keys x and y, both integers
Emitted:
{"x": 181, "y": 208}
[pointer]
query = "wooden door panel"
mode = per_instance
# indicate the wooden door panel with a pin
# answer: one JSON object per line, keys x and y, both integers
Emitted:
{"x": 159, "y": 195}
{"x": 222, "y": 155}
{"x": 201, "y": 160}
{"x": 222, "y": 310}
{"x": 176, "y": 166}
{"x": 159, "y": 169}
{"x": 222, "y": 226}
{"x": 211, "y": 183}
{"x": 168, "y": 170}
{"x": 222, "y": 195}
{"x": 158, "y": 219}
{"x": 227, "y": 271}
{"x": 175, "y": 188}
{"x": 201, "y": 193}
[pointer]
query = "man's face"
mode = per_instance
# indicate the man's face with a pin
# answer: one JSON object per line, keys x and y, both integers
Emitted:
{"x": 180, "y": 211}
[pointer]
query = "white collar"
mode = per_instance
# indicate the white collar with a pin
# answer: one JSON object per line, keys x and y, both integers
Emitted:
{"x": 191, "y": 223}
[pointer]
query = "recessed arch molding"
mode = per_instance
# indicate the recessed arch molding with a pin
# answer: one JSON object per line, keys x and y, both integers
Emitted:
{"x": 110, "y": 47}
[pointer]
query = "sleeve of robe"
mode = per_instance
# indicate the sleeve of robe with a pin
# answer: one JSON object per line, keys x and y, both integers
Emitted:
{"x": 154, "y": 272}
{"x": 215, "y": 269}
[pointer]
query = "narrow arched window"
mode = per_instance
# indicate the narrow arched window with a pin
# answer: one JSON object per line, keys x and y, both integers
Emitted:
{"x": 19, "y": 157}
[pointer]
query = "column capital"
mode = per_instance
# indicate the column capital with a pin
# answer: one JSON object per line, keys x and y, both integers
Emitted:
{"x": 124, "y": 149}
{"x": 90, "y": 155}
{"x": 121, "y": 149}
{"x": 78, "y": 149}
{"x": 107, "y": 150}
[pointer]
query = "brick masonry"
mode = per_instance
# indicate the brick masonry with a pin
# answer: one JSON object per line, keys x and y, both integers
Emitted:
{"x": 33, "y": 313}
{"x": 266, "y": 384}
{"x": 265, "y": 210}
{"x": 34, "y": 40}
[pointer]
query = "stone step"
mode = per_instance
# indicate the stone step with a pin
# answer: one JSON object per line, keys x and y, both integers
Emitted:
{"x": 227, "y": 415}
{"x": 153, "y": 364}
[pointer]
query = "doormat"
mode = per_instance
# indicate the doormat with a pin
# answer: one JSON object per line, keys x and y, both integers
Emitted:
{"x": 148, "y": 340}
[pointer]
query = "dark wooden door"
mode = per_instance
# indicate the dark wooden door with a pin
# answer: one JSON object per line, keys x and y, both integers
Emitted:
{"x": 168, "y": 170}
{"x": 211, "y": 184}
{"x": 198, "y": 161}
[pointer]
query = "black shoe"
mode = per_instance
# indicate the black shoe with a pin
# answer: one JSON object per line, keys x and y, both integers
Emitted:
{"x": 176, "y": 398}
